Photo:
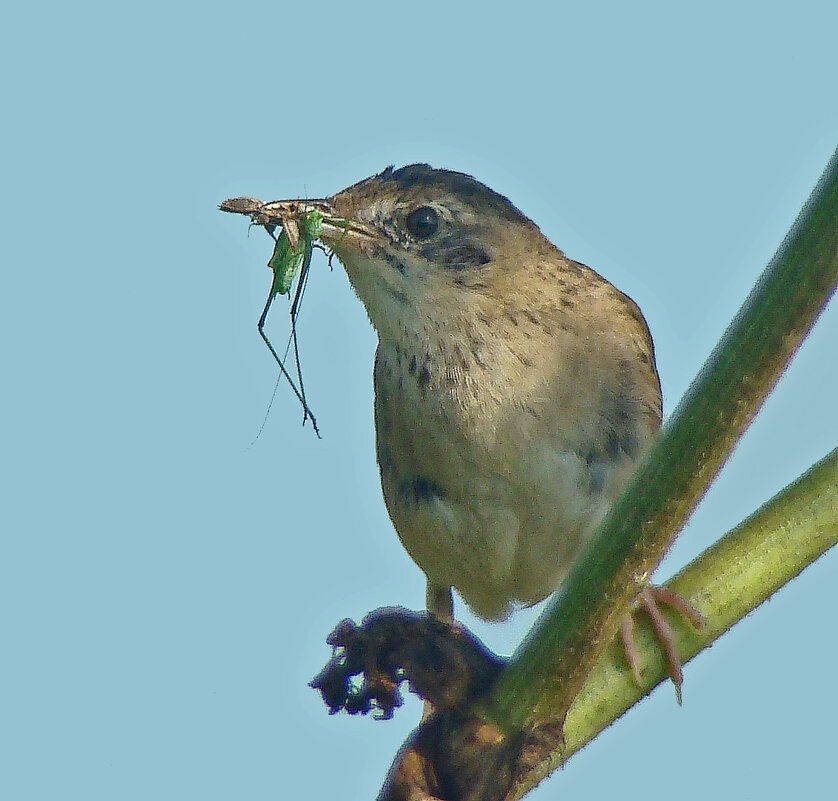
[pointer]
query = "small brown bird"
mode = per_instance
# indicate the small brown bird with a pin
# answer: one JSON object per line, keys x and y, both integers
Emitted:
{"x": 515, "y": 388}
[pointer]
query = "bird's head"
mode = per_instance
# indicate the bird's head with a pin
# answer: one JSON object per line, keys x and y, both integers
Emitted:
{"x": 422, "y": 244}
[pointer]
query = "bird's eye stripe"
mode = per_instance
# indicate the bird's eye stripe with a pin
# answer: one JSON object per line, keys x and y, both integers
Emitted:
{"x": 455, "y": 254}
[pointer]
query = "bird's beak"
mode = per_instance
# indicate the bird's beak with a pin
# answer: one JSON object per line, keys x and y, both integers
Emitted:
{"x": 335, "y": 230}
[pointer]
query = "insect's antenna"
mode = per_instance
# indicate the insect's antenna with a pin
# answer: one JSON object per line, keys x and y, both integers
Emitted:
{"x": 300, "y": 397}
{"x": 270, "y": 231}
{"x": 267, "y": 412}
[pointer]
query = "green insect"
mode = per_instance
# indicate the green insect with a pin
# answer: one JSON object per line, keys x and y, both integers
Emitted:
{"x": 292, "y": 258}
{"x": 292, "y": 251}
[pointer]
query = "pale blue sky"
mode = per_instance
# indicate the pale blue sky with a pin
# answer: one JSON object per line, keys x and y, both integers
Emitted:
{"x": 165, "y": 587}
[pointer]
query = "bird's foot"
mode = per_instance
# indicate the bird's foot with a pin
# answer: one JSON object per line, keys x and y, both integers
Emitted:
{"x": 650, "y": 601}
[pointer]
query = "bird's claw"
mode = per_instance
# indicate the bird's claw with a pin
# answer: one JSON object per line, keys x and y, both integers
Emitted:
{"x": 650, "y": 601}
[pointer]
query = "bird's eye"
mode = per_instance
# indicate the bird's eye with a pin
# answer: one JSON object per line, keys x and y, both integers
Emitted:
{"x": 422, "y": 222}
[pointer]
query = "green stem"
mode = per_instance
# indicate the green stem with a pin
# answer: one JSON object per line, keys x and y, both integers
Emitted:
{"x": 729, "y": 580}
{"x": 554, "y": 661}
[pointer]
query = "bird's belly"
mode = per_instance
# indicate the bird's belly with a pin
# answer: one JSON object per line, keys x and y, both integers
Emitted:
{"x": 501, "y": 542}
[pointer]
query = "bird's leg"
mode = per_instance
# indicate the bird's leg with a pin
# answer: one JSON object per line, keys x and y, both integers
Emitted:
{"x": 439, "y": 601}
{"x": 650, "y": 600}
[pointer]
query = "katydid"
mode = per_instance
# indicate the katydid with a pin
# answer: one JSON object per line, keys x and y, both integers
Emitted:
{"x": 291, "y": 258}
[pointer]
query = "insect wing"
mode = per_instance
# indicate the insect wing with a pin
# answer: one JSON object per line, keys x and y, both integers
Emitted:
{"x": 286, "y": 263}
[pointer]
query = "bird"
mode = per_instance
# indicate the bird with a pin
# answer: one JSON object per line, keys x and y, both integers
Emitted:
{"x": 515, "y": 388}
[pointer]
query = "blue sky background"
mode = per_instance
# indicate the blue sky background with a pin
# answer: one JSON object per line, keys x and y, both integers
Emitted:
{"x": 165, "y": 586}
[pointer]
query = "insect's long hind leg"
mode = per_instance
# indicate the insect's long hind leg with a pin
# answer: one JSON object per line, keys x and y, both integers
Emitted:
{"x": 300, "y": 397}
{"x": 302, "y": 282}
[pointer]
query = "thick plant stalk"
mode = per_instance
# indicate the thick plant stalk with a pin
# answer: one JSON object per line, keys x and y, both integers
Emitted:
{"x": 730, "y": 579}
{"x": 552, "y": 664}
